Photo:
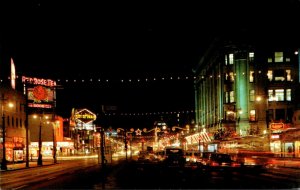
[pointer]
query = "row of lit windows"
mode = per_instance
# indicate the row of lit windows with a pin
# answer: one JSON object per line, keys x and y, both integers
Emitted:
{"x": 278, "y": 58}
{"x": 274, "y": 114}
{"x": 273, "y": 75}
{"x": 273, "y": 95}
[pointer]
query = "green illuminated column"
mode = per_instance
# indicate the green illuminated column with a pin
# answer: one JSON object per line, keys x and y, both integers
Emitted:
{"x": 242, "y": 92}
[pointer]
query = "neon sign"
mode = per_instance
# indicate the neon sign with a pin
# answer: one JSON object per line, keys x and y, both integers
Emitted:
{"x": 38, "y": 81}
{"x": 85, "y": 116}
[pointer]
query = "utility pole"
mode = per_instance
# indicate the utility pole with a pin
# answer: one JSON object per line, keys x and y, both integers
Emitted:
{"x": 102, "y": 147}
{"x": 125, "y": 142}
{"x": 26, "y": 127}
{"x": 4, "y": 162}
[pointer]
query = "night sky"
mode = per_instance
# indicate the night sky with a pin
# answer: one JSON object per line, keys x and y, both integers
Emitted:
{"x": 136, "y": 39}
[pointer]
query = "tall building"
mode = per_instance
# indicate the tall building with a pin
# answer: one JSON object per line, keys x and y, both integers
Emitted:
{"x": 247, "y": 91}
{"x": 12, "y": 112}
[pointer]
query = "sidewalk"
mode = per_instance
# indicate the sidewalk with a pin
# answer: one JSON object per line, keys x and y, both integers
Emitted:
{"x": 46, "y": 161}
{"x": 16, "y": 166}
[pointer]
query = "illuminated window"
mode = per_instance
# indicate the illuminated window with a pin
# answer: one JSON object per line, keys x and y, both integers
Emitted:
{"x": 288, "y": 95}
{"x": 270, "y": 60}
{"x": 231, "y": 59}
{"x": 231, "y": 96}
{"x": 251, "y": 56}
{"x": 252, "y": 115}
{"x": 278, "y": 57}
{"x": 226, "y": 60}
{"x": 287, "y": 59}
{"x": 288, "y": 75}
{"x": 270, "y": 95}
{"x": 252, "y": 95}
{"x": 279, "y": 75}
{"x": 270, "y": 75}
{"x": 279, "y": 94}
{"x": 251, "y": 78}
{"x": 231, "y": 76}
{"x": 226, "y": 97}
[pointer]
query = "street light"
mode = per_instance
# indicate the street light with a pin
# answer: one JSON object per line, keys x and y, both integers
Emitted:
{"x": 4, "y": 162}
{"x": 187, "y": 128}
{"x": 40, "y": 160}
{"x": 267, "y": 130}
{"x": 55, "y": 126}
{"x": 125, "y": 137}
{"x": 156, "y": 130}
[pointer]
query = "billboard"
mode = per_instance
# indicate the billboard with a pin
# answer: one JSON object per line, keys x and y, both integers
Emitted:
{"x": 40, "y": 92}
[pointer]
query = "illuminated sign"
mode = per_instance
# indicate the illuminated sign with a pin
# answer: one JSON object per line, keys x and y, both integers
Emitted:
{"x": 277, "y": 126}
{"x": 275, "y": 136}
{"x": 40, "y": 97}
{"x": 85, "y": 116}
{"x": 12, "y": 74}
{"x": 40, "y": 93}
{"x": 38, "y": 81}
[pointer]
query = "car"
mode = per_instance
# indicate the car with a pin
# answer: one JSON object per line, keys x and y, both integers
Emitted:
{"x": 144, "y": 156}
{"x": 174, "y": 157}
{"x": 219, "y": 160}
{"x": 160, "y": 155}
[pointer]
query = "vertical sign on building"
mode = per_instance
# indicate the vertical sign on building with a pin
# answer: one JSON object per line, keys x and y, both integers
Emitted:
{"x": 299, "y": 64}
{"x": 12, "y": 74}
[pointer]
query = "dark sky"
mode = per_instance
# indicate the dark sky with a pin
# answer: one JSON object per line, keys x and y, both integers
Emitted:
{"x": 130, "y": 39}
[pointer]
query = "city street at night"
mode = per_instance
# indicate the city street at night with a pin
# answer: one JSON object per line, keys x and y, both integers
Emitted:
{"x": 88, "y": 174}
{"x": 149, "y": 95}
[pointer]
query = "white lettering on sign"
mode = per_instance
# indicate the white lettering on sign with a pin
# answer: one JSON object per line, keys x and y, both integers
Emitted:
{"x": 38, "y": 81}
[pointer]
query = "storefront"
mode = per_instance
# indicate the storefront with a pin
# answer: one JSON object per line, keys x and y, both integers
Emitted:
{"x": 64, "y": 148}
{"x": 14, "y": 152}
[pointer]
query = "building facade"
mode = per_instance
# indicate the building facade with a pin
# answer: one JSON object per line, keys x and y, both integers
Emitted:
{"x": 13, "y": 119}
{"x": 244, "y": 91}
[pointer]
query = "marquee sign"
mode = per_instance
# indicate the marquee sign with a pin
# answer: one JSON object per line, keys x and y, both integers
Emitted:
{"x": 84, "y": 116}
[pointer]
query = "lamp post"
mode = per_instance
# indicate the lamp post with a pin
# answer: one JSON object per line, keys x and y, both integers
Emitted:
{"x": 156, "y": 130}
{"x": 4, "y": 161}
{"x": 187, "y": 128}
{"x": 268, "y": 131}
{"x": 125, "y": 138}
{"x": 199, "y": 140}
{"x": 40, "y": 160}
{"x": 27, "y": 137}
{"x": 55, "y": 126}
{"x": 26, "y": 127}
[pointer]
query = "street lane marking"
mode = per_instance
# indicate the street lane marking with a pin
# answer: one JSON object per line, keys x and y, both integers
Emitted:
{"x": 21, "y": 187}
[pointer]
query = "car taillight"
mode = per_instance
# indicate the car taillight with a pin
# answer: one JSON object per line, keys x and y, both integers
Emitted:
{"x": 235, "y": 164}
{"x": 215, "y": 164}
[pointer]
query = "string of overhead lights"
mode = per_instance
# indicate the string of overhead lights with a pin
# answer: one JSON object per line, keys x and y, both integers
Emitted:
{"x": 125, "y": 80}
{"x": 128, "y": 80}
{"x": 149, "y": 113}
